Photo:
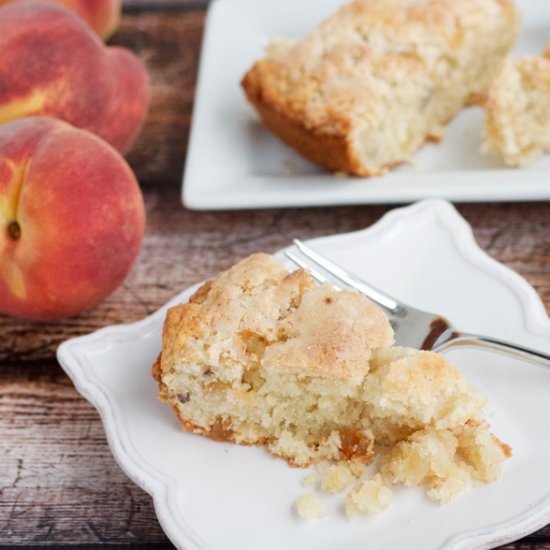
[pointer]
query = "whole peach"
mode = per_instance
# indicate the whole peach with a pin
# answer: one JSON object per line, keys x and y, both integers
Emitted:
{"x": 103, "y": 16}
{"x": 71, "y": 219}
{"x": 53, "y": 64}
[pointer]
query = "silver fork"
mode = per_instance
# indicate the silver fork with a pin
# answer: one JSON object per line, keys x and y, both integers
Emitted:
{"x": 412, "y": 327}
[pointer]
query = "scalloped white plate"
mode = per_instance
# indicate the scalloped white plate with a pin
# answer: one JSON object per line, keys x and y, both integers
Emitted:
{"x": 220, "y": 496}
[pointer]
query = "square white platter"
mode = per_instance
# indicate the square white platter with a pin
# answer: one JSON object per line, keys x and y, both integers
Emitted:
{"x": 218, "y": 496}
{"x": 234, "y": 162}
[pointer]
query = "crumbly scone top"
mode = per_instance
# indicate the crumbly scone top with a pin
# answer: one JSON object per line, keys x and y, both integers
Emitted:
{"x": 258, "y": 311}
{"x": 408, "y": 389}
{"x": 525, "y": 74}
{"x": 343, "y": 70}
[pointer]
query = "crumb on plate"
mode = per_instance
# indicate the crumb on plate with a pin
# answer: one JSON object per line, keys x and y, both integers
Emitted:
{"x": 368, "y": 497}
{"x": 309, "y": 507}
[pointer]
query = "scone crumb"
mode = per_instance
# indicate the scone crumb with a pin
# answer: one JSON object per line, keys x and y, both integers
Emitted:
{"x": 368, "y": 497}
{"x": 425, "y": 458}
{"x": 309, "y": 507}
{"x": 446, "y": 489}
{"x": 483, "y": 452}
{"x": 335, "y": 478}
{"x": 311, "y": 480}
{"x": 444, "y": 462}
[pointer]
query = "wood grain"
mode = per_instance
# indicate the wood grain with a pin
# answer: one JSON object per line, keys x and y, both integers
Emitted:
{"x": 58, "y": 482}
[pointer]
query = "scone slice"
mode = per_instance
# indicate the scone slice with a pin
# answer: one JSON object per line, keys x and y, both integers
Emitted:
{"x": 366, "y": 89}
{"x": 261, "y": 356}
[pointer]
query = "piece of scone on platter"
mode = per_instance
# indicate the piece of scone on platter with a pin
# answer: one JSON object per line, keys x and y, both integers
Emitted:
{"x": 517, "y": 119}
{"x": 366, "y": 89}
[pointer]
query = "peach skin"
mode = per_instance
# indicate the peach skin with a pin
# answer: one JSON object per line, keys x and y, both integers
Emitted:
{"x": 71, "y": 219}
{"x": 103, "y": 16}
{"x": 53, "y": 64}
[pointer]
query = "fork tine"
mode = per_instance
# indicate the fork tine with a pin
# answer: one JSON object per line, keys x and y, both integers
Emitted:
{"x": 318, "y": 276}
{"x": 343, "y": 276}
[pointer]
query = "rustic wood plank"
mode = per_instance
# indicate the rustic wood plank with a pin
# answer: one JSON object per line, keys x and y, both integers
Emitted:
{"x": 58, "y": 482}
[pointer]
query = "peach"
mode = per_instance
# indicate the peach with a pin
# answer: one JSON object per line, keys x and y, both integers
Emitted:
{"x": 71, "y": 219}
{"x": 53, "y": 64}
{"x": 103, "y": 16}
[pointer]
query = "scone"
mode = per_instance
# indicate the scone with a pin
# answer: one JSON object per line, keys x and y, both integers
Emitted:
{"x": 517, "y": 123}
{"x": 366, "y": 89}
{"x": 261, "y": 356}
{"x": 266, "y": 357}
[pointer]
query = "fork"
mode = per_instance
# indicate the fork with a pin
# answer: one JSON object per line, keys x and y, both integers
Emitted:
{"x": 412, "y": 327}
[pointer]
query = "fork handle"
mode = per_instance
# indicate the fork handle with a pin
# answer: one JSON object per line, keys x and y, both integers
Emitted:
{"x": 501, "y": 346}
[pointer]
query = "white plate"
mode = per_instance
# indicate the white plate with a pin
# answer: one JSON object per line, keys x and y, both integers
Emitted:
{"x": 220, "y": 496}
{"x": 234, "y": 162}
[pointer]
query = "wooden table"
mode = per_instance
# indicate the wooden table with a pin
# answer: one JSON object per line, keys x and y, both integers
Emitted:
{"x": 58, "y": 481}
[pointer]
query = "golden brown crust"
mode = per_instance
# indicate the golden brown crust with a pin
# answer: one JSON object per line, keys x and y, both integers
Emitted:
{"x": 217, "y": 432}
{"x": 287, "y": 310}
{"x": 504, "y": 447}
{"x": 155, "y": 369}
{"x": 354, "y": 447}
{"x": 201, "y": 293}
{"x": 331, "y": 151}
